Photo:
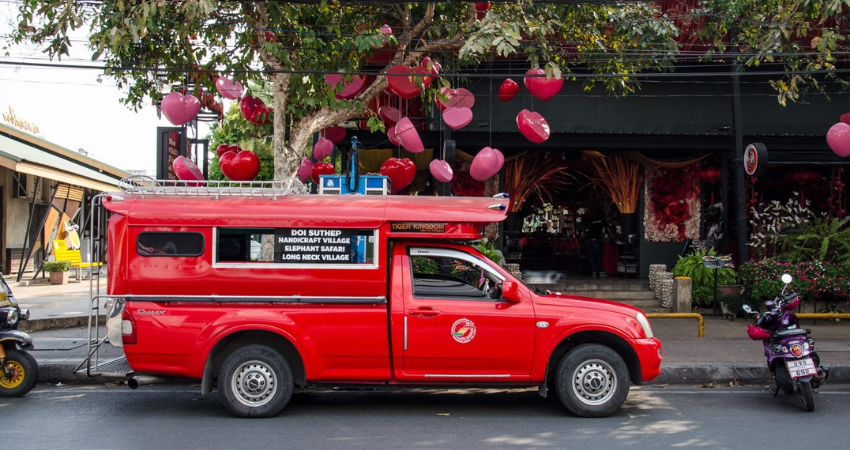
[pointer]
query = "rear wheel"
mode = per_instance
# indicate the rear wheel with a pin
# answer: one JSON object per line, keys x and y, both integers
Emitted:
{"x": 808, "y": 396}
{"x": 255, "y": 381}
{"x": 593, "y": 381}
{"x": 23, "y": 371}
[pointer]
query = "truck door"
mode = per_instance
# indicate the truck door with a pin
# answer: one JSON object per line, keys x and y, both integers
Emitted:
{"x": 456, "y": 323}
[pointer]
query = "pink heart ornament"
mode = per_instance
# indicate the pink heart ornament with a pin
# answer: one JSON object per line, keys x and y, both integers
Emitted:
{"x": 541, "y": 87}
{"x": 323, "y": 148}
{"x": 393, "y": 137}
{"x": 486, "y": 163}
{"x": 228, "y": 88}
{"x": 838, "y": 138}
{"x": 457, "y": 118}
{"x": 441, "y": 170}
{"x": 179, "y": 108}
{"x": 305, "y": 169}
{"x": 533, "y": 126}
{"x": 185, "y": 169}
{"x": 408, "y": 136}
{"x": 349, "y": 89}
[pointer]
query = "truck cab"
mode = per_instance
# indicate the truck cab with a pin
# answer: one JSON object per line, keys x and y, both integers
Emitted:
{"x": 358, "y": 291}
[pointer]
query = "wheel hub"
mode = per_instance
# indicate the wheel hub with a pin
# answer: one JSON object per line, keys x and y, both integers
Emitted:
{"x": 254, "y": 384}
{"x": 16, "y": 375}
{"x": 594, "y": 382}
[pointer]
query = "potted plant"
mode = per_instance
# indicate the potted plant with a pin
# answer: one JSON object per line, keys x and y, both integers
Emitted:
{"x": 692, "y": 266}
{"x": 58, "y": 271}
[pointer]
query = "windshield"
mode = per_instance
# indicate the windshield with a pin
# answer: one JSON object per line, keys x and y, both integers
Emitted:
{"x": 6, "y": 297}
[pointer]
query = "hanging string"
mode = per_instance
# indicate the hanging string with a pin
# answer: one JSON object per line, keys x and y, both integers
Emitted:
{"x": 490, "y": 101}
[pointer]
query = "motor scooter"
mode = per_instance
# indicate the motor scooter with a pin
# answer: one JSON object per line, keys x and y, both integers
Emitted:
{"x": 790, "y": 350}
{"x": 18, "y": 369}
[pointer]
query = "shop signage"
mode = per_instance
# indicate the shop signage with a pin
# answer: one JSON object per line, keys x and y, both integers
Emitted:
{"x": 755, "y": 159}
{"x": 319, "y": 245}
{"x": 12, "y": 119}
{"x": 417, "y": 227}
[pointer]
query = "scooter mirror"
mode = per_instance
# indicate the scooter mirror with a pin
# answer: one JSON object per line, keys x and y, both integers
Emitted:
{"x": 747, "y": 309}
{"x": 786, "y": 278}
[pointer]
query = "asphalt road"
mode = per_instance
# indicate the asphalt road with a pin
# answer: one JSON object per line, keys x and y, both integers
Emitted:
{"x": 178, "y": 417}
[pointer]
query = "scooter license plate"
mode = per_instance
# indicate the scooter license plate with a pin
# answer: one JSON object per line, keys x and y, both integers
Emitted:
{"x": 801, "y": 367}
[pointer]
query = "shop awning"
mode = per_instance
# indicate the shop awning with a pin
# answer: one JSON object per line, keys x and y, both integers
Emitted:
{"x": 23, "y": 157}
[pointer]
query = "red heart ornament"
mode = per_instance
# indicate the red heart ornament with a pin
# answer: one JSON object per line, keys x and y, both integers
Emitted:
{"x": 304, "y": 170}
{"x": 334, "y": 134}
{"x": 389, "y": 114}
{"x": 224, "y": 148}
{"x": 349, "y": 89}
{"x": 242, "y": 166}
{"x": 185, "y": 169}
{"x": 457, "y": 118}
{"x": 540, "y": 87}
{"x": 262, "y": 115}
{"x": 248, "y": 105}
{"x": 441, "y": 170}
{"x": 399, "y": 171}
{"x": 845, "y": 118}
{"x": 508, "y": 90}
{"x": 455, "y": 98}
{"x": 533, "y": 126}
{"x": 179, "y": 108}
{"x": 321, "y": 168}
{"x": 323, "y": 148}
{"x": 401, "y": 81}
{"x": 430, "y": 65}
{"x": 228, "y": 88}
{"x": 408, "y": 136}
{"x": 393, "y": 137}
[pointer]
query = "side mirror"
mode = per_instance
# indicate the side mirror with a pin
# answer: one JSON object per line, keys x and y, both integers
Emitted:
{"x": 786, "y": 278}
{"x": 510, "y": 292}
{"x": 747, "y": 309}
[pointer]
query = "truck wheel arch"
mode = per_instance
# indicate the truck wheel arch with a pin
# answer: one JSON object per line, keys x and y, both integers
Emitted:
{"x": 227, "y": 344}
{"x": 610, "y": 340}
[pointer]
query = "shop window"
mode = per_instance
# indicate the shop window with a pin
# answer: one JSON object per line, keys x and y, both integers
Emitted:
{"x": 170, "y": 244}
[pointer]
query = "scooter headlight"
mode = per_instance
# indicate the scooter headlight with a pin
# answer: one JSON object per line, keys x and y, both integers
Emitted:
{"x": 644, "y": 323}
{"x": 12, "y": 318}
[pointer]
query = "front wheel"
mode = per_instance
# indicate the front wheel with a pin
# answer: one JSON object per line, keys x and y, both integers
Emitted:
{"x": 255, "y": 381}
{"x": 808, "y": 396}
{"x": 23, "y": 370}
{"x": 593, "y": 381}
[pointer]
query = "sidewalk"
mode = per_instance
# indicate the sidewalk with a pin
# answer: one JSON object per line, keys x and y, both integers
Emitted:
{"x": 723, "y": 355}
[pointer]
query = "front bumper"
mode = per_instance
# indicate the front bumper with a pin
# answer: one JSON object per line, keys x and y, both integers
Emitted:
{"x": 649, "y": 353}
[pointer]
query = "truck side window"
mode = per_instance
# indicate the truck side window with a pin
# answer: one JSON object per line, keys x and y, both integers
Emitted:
{"x": 152, "y": 243}
{"x": 436, "y": 276}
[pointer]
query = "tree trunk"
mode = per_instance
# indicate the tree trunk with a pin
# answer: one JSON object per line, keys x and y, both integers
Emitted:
{"x": 286, "y": 158}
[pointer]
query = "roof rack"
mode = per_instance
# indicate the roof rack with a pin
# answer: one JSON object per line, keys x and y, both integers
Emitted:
{"x": 143, "y": 185}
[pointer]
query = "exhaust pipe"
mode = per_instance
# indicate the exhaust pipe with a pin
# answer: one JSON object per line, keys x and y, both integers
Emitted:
{"x": 139, "y": 380}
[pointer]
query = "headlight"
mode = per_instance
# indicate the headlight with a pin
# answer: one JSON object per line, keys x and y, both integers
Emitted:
{"x": 12, "y": 318}
{"x": 644, "y": 323}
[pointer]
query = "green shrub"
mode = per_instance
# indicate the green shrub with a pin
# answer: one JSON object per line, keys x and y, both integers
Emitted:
{"x": 813, "y": 280}
{"x": 56, "y": 266}
{"x": 820, "y": 239}
{"x": 422, "y": 264}
{"x": 692, "y": 266}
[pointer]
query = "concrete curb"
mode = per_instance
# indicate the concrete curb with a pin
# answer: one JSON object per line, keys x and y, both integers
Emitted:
{"x": 56, "y": 371}
{"x": 54, "y": 323}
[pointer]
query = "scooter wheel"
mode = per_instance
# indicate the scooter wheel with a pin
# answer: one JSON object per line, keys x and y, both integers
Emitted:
{"x": 24, "y": 373}
{"x": 808, "y": 396}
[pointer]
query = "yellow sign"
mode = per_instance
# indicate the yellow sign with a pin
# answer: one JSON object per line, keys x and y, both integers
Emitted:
{"x": 21, "y": 124}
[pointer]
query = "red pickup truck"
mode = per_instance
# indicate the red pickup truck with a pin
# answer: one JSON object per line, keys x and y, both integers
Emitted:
{"x": 359, "y": 291}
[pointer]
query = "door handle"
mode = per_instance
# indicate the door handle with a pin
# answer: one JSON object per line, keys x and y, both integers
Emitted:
{"x": 424, "y": 312}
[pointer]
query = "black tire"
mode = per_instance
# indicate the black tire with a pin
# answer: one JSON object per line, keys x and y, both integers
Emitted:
{"x": 783, "y": 379}
{"x": 255, "y": 381}
{"x": 593, "y": 381}
{"x": 808, "y": 396}
{"x": 25, "y": 374}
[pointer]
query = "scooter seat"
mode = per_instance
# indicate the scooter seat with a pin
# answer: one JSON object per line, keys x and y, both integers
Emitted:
{"x": 791, "y": 332}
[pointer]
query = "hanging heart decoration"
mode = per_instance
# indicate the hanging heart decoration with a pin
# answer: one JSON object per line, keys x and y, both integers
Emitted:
{"x": 440, "y": 170}
{"x": 838, "y": 138}
{"x": 304, "y": 169}
{"x": 399, "y": 171}
{"x": 393, "y": 137}
{"x": 540, "y": 86}
{"x": 508, "y": 90}
{"x": 408, "y": 136}
{"x": 455, "y": 98}
{"x": 255, "y": 110}
{"x": 845, "y": 118}
{"x": 385, "y": 29}
{"x": 407, "y": 82}
{"x": 457, "y": 118}
{"x": 224, "y": 148}
{"x": 710, "y": 175}
{"x": 334, "y": 134}
{"x": 389, "y": 114}
{"x": 486, "y": 163}
{"x": 431, "y": 65}
{"x": 185, "y": 169}
{"x": 228, "y": 88}
{"x": 533, "y": 126}
{"x": 323, "y": 148}
{"x": 240, "y": 166}
{"x": 349, "y": 89}
{"x": 179, "y": 108}
{"x": 321, "y": 168}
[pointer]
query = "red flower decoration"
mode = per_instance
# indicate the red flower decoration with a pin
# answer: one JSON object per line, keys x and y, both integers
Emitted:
{"x": 677, "y": 212}
{"x": 464, "y": 185}
{"x": 667, "y": 187}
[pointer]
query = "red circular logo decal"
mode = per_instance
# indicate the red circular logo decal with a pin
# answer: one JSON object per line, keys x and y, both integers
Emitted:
{"x": 751, "y": 159}
{"x": 463, "y": 330}
{"x": 797, "y": 350}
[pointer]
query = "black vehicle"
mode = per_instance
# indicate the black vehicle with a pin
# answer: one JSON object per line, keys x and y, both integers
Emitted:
{"x": 19, "y": 369}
